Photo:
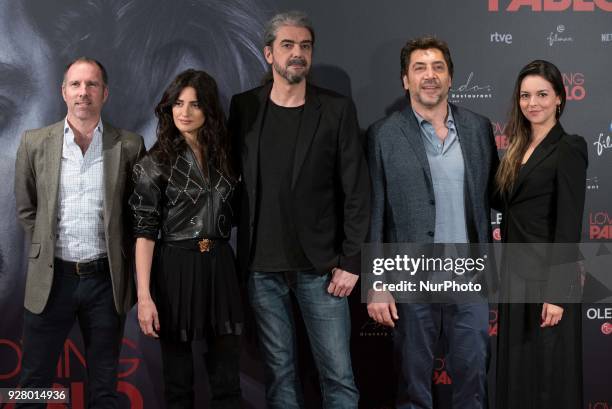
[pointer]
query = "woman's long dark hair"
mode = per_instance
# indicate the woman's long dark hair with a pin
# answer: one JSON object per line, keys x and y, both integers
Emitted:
{"x": 212, "y": 136}
{"x": 519, "y": 127}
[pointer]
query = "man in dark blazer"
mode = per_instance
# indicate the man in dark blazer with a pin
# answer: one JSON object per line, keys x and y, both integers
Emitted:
{"x": 72, "y": 181}
{"x": 304, "y": 214}
{"x": 432, "y": 166}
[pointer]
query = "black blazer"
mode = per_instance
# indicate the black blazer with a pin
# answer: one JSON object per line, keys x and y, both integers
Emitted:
{"x": 330, "y": 188}
{"x": 547, "y": 201}
{"x": 546, "y": 206}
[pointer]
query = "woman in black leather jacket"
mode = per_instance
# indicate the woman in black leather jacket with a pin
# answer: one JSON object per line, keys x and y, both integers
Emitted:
{"x": 187, "y": 283}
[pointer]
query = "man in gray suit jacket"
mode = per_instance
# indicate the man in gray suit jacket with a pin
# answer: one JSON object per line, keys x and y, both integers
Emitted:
{"x": 72, "y": 181}
{"x": 432, "y": 165}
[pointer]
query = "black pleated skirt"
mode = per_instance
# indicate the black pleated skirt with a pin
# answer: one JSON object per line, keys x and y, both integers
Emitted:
{"x": 538, "y": 368}
{"x": 197, "y": 294}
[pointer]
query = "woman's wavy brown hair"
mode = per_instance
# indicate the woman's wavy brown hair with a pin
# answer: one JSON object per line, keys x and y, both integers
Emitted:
{"x": 212, "y": 136}
{"x": 519, "y": 128}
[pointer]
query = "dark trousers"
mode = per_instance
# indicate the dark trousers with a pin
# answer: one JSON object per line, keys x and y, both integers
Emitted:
{"x": 89, "y": 299}
{"x": 418, "y": 330}
{"x": 222, "y": 364}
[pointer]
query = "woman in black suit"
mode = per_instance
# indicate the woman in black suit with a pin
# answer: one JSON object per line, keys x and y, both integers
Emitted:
{"x": 541, "y": 182}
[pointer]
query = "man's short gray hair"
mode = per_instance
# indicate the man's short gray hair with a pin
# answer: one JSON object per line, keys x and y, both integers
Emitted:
{"x": 289, "y": 18}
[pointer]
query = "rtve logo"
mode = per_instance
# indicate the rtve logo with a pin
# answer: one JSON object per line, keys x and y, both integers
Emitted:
{"x": 552, "y": 5}
{"x": 501, "y": 38}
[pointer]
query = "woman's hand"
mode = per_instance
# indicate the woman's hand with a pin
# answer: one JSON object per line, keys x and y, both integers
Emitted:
{"x": 551, "y": 315}
{"x": 147, "y": 317}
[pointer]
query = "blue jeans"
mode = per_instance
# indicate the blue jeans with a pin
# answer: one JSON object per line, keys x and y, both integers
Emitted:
{"x": 328, "y": 326}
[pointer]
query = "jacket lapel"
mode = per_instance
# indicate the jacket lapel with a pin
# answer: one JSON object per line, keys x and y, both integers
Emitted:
{"x": 541, "y": 152}
{"x": 306, "y": 132}
{"x": 53, "y": 159}
{"x": 250, "y": 153}
{"x": 412, "y": 132}
{"x": 253, "y": 134}
{"x": 111, "y": 157}
{"x": 468, "y": 140}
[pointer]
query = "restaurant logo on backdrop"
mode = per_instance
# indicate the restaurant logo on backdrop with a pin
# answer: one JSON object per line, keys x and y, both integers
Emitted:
{"x": 600, "y": 405}
{"x": 550, "y": 5}
{"x": 574, "y": 86}
{"x": 600, "y": 226}
{"x": 469, "y": 89}
{"x": 592, "y": 183}
{"x": 559, "y": 36}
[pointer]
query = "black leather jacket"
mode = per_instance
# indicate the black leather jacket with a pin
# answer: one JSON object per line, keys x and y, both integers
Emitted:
{"x": 180, "y": 201}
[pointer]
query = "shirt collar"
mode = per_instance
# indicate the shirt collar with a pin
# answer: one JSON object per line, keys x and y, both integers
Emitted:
{"x": 450, "y": 120}
{"x": 96, "y": 141}
{"x": 98, "y": 129}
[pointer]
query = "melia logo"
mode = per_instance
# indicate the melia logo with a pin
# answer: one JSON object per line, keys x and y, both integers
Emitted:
{"x": 470, "y": 91}
{"x": 574, "y": 86}
{"x": 559, "y": 36}
{"x": 550, "y": 5}
{"x": 600, "y": 226}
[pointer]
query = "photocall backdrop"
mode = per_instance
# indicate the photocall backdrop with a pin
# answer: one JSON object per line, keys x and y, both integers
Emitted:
{"x": 145, "y": 43}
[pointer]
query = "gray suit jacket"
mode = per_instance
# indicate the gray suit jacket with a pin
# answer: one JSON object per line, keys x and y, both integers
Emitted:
{"x": 37, "y": 175}
{"x": 403, "y": 204}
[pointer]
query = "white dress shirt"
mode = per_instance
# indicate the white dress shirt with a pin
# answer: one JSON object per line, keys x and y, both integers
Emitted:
{"x": 80, "y": 208}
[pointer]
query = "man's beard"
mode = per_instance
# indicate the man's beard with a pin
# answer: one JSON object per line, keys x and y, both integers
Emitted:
{"x": 436, "y": 100}
{"x": 290, "y": 77}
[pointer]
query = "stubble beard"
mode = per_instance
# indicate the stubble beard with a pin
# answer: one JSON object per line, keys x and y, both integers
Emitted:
{"x": 291, "y": 78}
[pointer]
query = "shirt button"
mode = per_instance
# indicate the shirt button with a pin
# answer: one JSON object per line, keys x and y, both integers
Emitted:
{"x": 432, "y": 202}
{"x": 430, "y": 233}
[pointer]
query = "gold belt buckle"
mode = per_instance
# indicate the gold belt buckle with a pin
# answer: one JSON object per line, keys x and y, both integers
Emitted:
{"x": 76, "y": 267}
{"x": 205, "y": 245}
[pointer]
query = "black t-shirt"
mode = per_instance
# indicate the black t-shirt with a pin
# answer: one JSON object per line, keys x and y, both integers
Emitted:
{"x": 276, "y": 244}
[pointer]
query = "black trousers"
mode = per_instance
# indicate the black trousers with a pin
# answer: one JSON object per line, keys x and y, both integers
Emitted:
{"x": 416, "y": 335}
{"x": 89, "y": 299}
{"x": 222, "y": 364}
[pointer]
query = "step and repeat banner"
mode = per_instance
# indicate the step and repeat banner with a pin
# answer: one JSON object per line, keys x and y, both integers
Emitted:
{"x": 145, "y": 43}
